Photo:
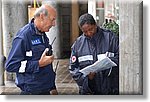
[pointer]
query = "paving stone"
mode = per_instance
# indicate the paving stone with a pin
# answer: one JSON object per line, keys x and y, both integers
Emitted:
{"x": 64, "y": 82}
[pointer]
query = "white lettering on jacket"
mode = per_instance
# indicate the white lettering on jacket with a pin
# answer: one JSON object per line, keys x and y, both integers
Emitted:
{"x": 108, "y": 54}
{"x": 85, "y": 58}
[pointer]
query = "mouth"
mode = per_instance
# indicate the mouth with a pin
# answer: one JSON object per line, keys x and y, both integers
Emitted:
{"x": 50, "y": 27}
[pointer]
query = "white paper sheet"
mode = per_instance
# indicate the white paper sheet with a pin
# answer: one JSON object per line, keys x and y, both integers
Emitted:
{"x": 103, "y": 64}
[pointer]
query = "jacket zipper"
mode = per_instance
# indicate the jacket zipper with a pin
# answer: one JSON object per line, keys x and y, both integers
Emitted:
{"x": 43, "y": 39}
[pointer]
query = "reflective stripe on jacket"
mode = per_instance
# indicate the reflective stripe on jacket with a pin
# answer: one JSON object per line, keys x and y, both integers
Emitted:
{"x": 27, "y": 48}
{"x": 86, "y": 51}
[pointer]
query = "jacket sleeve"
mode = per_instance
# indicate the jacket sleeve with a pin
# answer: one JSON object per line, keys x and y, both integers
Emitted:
{"x": 17, "y": 62}
{"x": 114, "y": 47}
{"x": 74, "y": 68}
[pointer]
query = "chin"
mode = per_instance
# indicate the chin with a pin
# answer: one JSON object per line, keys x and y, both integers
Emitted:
{"x": 47, "y": 30}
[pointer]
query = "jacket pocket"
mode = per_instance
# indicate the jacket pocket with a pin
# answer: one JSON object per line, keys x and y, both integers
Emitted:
{"x": 37, "y": 51}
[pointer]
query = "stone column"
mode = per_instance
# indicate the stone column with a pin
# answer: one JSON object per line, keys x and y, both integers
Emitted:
{"x": 130, "y": 37}
{"x": 54, "y": 31}
{"x": 1, "y": 48}
{"x": 14, "y": 16}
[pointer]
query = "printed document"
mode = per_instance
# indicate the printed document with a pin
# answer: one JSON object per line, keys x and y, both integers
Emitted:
{"x": 103, "y": 64}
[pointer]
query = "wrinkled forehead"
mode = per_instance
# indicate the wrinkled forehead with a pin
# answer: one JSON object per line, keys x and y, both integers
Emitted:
{"x": 52, "y": 13}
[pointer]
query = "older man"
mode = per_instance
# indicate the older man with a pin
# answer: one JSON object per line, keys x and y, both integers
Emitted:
{"x": 28, "y": 55}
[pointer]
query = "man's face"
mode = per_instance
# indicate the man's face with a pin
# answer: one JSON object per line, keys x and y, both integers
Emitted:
{"x": 89, "y": 30}
{"x": 49, "y": 21}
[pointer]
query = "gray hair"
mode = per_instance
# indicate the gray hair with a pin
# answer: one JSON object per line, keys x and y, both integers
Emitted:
{"x": 86, "y": 19}
{"x": 40, "y": 10}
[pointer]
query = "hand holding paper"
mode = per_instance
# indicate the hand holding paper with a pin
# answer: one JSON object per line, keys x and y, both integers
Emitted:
{"x": 103, "y": 64}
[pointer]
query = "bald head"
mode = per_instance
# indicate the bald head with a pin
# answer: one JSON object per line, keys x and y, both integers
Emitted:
{"x": 44, "y": 9}
{"x": 45, "y": 17}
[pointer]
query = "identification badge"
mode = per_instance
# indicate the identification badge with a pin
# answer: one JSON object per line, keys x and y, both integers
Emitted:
{"x": 29, "y": 53}
{"x": 36, "y": 41}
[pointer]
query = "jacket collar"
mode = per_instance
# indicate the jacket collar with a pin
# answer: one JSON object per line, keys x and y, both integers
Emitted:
{"x": 34, "y": 28}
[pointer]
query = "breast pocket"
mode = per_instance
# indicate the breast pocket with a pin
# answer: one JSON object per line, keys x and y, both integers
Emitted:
{"x": 37, "y": 51}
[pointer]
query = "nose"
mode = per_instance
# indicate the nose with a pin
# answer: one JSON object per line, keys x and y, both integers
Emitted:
{"x": 89, "y": 33}
{"x": 53, "y": 23}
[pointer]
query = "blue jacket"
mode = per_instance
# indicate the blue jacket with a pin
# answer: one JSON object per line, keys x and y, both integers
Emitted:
{"x": 86, "y": 51}
{"x": 27, "y": 48}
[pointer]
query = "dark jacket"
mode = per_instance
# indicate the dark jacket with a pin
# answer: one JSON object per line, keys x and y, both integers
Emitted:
{"x": 86, "y": 51}
{"x": 27, "y": 48}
